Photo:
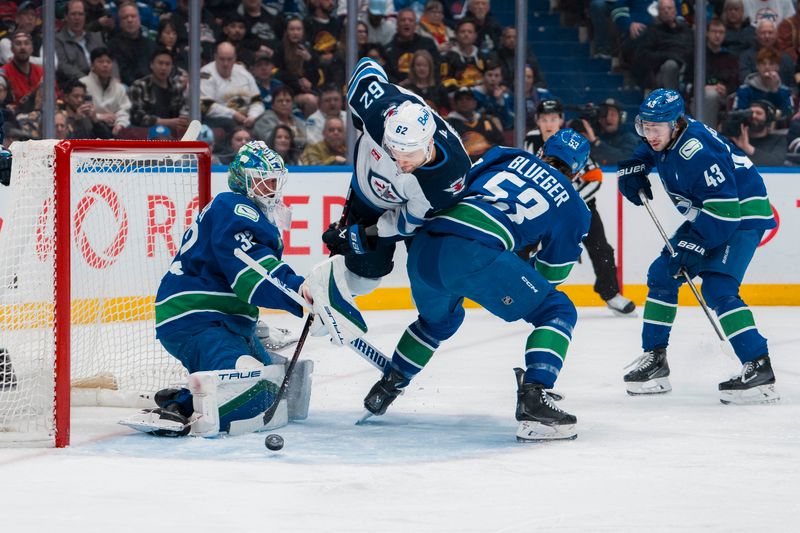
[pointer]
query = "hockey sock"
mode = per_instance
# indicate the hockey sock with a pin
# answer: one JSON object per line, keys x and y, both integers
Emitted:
{"x": 545, "y": 351}
{"x": 414, "y": 350}
{"x": 660, "y": 309}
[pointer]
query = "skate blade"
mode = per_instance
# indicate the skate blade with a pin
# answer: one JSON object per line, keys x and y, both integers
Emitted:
{"x": 364, "y": 417}
{"x": 654, "y": 386}
{"x": 617, "y": 312}
{"x": 763, "y": 394}
{"x": 529, "y": 431}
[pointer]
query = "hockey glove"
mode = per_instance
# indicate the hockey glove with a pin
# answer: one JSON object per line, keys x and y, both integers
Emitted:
{"x": 632, "y": 177}
{"x": 350, "y": 239}
{"x": 688, "y": 256}
{"x": 5, "y": 166}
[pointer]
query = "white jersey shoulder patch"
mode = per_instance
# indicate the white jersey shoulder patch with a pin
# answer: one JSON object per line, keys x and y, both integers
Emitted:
{"x": 689, "y": 148}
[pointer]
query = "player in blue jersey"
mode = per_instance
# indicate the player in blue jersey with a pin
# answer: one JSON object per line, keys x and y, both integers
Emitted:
{"x": 468, "y": 251}
{"x": 409, "y": 163}
{"x": 207, "y": 305}
{"x": 715, "y": 186}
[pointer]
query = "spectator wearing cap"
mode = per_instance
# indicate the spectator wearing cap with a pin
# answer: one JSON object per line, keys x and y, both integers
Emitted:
{"x": 330, "y": 105}
{"x": 111, "y": 102}
{"x": 262, "y": 70}
{"x": 81, "y": 115}
{"x": 23, "y": 76}
{"x": 281, "y": 113}
{"x": 159, "y": 132}
{"x": 610, "y": 143}
{"x": 235, "y": 33}
{"x": 485, "y": 24}
{"x": 478, "y": 132}
{"x": 156, "y": 98}
{"x": 432, "y": 25}
{"x": 773, "y": 10}
{"x": 381, "y": 27}
{"x": 765, "y": 84}
{"x": 229, "y": 95}
{"x": 130, "y": 48}
{"x": 493, "y": 97}
{"x": 406, "y": 41}
{"x": 766, "y": 37}
{"x": 758, "y": 139}
{"x": 74, "y": 44}
{"x": 464, "y": 64}
{"x": 332, "y": 149}
{"x": 26, "y": 20}
{"x": 422, "y": 82}
{"x": 266, "y": 23}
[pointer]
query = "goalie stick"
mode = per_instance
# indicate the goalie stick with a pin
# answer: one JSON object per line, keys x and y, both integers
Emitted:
{"x": 724, "y": 343}
{"x": 192, "y": 131}
{"x": 360, "y": 346}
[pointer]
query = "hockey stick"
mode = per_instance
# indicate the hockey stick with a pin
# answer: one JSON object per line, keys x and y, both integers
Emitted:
{"x": 360, "y": 346}
{"x": 725, "y": 344}
{"x": 192, "y": 131}
{"x": 270, "y": 412}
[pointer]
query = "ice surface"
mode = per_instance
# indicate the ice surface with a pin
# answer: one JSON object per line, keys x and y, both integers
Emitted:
{"x": 444, "y": 457}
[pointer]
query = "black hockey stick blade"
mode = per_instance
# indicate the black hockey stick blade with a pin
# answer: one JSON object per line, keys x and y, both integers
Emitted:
{"x": 270, "y": 412}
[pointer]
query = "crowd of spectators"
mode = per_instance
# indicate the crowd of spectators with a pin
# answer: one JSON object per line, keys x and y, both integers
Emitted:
{"x": 275, "y": 69}
{"x": 271, "y": 69}
{"x": 752, "y": 70}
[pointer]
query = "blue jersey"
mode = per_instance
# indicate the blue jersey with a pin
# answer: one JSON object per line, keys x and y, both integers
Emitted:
{"x": 711, "y": 182}
{"x": 405, "y": 200}
{"x": 207, "y": 283}
{"x": 514, "y": 200}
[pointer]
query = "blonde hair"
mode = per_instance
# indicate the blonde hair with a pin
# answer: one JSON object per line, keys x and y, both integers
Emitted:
{"x": 412, "y": 75}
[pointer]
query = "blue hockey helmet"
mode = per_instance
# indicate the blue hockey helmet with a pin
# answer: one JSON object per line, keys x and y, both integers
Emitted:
{"x": 661, "y": 105}
{"x": 254, "y": 163}
{"x": 569, "y": 146}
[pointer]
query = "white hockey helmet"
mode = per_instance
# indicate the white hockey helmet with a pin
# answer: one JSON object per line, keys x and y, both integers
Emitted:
{"x": 408, "y": 128}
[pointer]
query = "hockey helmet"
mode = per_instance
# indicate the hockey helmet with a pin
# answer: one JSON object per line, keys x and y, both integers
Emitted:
{"x": 569, "y": 146}
{"x": 408, "y": 128}
{"x": 549, "y": 105}
{"x": 252, "y": 170}
{"x": 661, "y": 105}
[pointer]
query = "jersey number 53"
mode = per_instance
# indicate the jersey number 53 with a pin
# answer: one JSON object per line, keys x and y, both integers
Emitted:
{"x": 512, "y": 192}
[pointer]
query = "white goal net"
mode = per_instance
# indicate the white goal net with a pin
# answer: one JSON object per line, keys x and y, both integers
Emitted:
{"x": 92, "y": 227}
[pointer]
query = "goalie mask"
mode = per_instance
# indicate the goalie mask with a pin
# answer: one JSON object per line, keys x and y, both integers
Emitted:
{"x": 258, "y": 173}
{"x": 408, "y": 132}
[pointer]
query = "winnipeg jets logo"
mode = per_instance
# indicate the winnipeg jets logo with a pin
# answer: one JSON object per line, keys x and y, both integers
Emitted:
{"x": 457, "y": 186}
{"x": 383, "y": 189}
{"x": 443, "y": 133}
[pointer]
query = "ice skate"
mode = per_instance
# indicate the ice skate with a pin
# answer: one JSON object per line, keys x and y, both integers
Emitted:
{"x": 650, "y": 374}
{"x": 621, "y": 306}
{"x": 274, "y": 338}
{"x": 383, "y": 393}
{"x": 755, "y": 385}
{"x": 540, "y": 419}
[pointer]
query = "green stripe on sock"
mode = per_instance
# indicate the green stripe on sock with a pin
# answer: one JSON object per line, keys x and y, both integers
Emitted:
{"x": 737, "y": 320}
{"x": 553, "y": 273}
{"x": 657, "y": 312}
{"x": 200, "y": 302}
{"x": 413, "y": 350}
{"x": 248, "y": 278}
{"x": 544, "y": 338}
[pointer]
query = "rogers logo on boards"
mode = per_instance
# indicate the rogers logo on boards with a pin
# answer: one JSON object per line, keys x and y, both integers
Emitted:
{"x": 108, "y": 256}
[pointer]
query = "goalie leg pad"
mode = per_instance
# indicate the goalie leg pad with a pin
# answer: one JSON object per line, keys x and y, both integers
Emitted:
{"x": 333, "y": 302}
{"x": 234, "y": 401}
{"x": 298, "y": 392}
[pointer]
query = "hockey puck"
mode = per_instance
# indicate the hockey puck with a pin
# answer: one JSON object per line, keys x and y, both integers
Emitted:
{"x": 273, "y": 442}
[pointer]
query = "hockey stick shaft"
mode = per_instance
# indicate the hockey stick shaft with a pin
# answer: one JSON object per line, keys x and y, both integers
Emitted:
{"x": 270, "y": 412}
{"x": 360, "y": 346}
{"x": 192, "y": 131}
{"x": 671, "y": 250}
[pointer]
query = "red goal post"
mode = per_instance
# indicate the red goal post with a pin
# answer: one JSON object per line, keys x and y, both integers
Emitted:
{"x": 92, "y": 228}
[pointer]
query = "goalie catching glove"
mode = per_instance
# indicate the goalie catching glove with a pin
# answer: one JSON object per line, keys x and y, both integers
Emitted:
{"x": 332, "y": 301}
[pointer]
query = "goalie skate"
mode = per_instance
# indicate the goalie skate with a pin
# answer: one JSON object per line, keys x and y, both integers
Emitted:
{"x": 274, "y": 339}
{"x": 159, "y": 422}
{"x": 754, "y": 385}
{"x": 650, "y": 374}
